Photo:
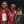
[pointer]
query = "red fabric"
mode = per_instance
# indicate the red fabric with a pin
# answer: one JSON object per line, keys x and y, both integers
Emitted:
{"x": 11, "y": 17}
{"x": 7, "y": 10}
{"x": 0, "y": 16}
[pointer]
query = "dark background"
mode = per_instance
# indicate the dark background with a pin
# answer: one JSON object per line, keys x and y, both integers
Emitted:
{"x": 17, "y": 2}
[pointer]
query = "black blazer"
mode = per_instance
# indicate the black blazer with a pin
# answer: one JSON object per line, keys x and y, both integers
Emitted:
{"x": 22, "y": 19}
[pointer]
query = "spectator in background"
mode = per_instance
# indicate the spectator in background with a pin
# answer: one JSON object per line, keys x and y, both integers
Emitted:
{"x": 22, "y": 17}
{"x": 19, "y": 13}
{"x": 4, "y": 13}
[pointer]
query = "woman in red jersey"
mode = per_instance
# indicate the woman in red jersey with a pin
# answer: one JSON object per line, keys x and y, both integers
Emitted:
{"x": 12, "y": 15}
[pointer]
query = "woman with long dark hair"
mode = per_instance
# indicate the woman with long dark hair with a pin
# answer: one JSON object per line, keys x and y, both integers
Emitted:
{"x": 4, "y": 13}
{"x": 12, "y": 14}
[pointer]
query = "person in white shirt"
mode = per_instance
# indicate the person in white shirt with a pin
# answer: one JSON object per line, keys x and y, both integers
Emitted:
{"x": 4, "y": 18}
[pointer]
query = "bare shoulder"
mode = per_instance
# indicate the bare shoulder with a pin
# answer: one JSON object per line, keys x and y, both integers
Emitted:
{"x": 15, "y": 11}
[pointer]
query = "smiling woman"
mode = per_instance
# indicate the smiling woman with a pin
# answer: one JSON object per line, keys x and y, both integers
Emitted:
{"x": 19, "y": 12}
{"x": 4, "y": 13}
